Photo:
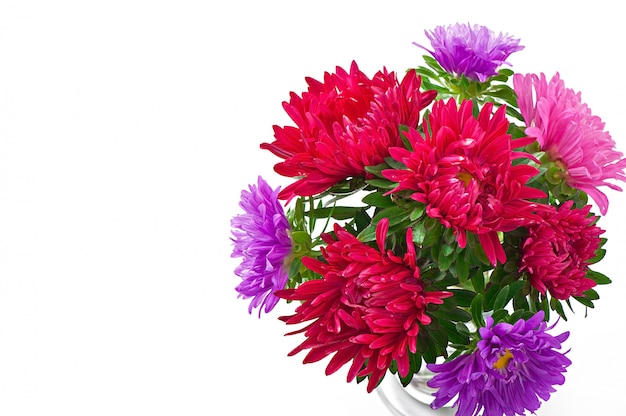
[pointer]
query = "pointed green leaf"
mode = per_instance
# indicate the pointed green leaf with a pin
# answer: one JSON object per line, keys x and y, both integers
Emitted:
{"x": 588, "y": 303}
{"x": 368, "y": 234}
{"x": 555, "y": 305}
{"x": 478, "y": 281}
{"x": 501, "y": 299}
{"x": 336, "y": 212}
{"x": 597, "y": 277}
{"x": 381, "y": 183}
{"x": 463, "y": 297}
{"x": 377, "y": 199}
{"x": 417, "y": 212}
{"x": 476, "y": 309}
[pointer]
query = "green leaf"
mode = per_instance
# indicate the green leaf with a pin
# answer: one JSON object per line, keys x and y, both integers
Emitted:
{"x": 446, "y": 256}
{"x": 476, "y": 309}
{"x": 597, "y": 277}
{"x": 432, "y": 274}
{"x": 377, "y": 169}
{"x": 462, "y": 267}
{"x": 514, "y": 113}
{"x": 433, "y": 232}
{"x": 516, "y": 315}
{"x": 478, "y": 281}
{"x": 591, "y": 294}
{"x": 462, "y": 329}
{"x": 426, "y": 72}
{"x": 439, "y": 337}
{"x": 499, "y": 315}
{"x": 452, "y": 314}
{"x": 377, "y": 199}
{"x": 501, "y": 91}
{"x": 520, "y": 302}
{"x": 395, "y": 215}
{"x": 432, "y": 62}
{"x": 501, "y": 299}
{"x": 588, "y": 303}
{"x": 453, "y": 334}
{"x": 394, "y": 164}
{"x": 463, "y": 297}
{"x": 546, "y": 308}
{"x": 415, "y": 363}
{"x": 555, "y": 305}
{"x": 381, "y": 183}
{"x": 336, "y": 212}
{"x": 417, "y": 212}
{"x": 361, "y": 220}
{"x": 431, "y": 354}
{"x": 422, "y": 341}
{"x": 480, "y": 254}
{"x": 490, "y": 295}
{"x": 294, "y": 267}
{"x": 368, "y": 234}
{"x": 419, "y": 233}
{"x": 297, "y": 220}
{"x": 600, "y": 253}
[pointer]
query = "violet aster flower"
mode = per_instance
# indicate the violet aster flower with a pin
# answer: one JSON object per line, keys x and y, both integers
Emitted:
{"x": 573, "y": 138}
{"x": 513, "y": 367}
{"x": 473, "y": 51}
{"x": 261, "y": 238}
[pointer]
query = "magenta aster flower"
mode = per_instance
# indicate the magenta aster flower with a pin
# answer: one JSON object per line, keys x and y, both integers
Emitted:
{"x": 367, "y": 308}
{"x": 342, "y": 125}
{"x": 261, "y": 238}
{"x": 473, "y": 51}
{"x": 462, "y": 170}
{"x": 513, "y": 367}
{"x": 556, "y": 252}
{"x": 570, "y": 134}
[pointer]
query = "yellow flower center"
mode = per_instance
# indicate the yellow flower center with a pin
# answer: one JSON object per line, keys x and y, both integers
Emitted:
{"x": 503, "y": 361}
{"x": 464, "y": 177}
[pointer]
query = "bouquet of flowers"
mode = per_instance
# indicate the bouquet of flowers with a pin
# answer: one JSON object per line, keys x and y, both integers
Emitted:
{"x": 436, "y": 218}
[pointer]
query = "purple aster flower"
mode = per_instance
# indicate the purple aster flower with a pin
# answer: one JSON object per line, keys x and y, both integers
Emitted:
{"x": 261, "y": 238}
{"x": 513, "y": 367}
{"x": 473, "y": 51}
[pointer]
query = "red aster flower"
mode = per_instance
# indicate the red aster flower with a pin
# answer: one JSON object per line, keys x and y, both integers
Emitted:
{"x": 343, "y": 124}
{"x": 556, "y": 252}
{"x": 461, "y": 169}
{"x": 367, "y": 308}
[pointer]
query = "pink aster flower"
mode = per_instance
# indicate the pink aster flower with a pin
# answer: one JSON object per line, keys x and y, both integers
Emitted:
{"x": 513, "y": 368}
{"x": 261, "y": 239}
{"x": 570, "y": 134}
{"x": 473, "y": 51}
{"x": 343, "y": 124}
{"x": 461, "y": 169}
{"x": 367, "y": 308}
{"x": 556, "y": 252}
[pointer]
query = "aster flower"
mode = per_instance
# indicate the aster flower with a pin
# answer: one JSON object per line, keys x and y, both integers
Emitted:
{"x": 513, "y": 368}
{"x": 261, "y": 238}
{"x": 342, "y": 125}
{"x": 367, "y": 308}
{"x": 461, "y": 169}
{"x": 473, "y": 51}
{"x": 556, "y": 252}
{"x": 573, "y": 138}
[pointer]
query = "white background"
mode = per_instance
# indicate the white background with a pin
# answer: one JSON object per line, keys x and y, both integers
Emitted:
{"x": 128, "y": 129}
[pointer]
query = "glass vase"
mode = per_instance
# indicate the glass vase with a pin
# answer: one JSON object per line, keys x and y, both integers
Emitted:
{"x": 412, "y": 400}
